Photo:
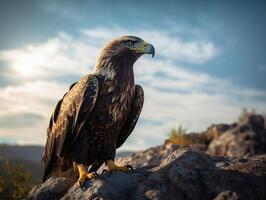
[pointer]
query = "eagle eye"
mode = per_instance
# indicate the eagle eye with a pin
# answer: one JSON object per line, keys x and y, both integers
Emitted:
{"x": 131, "y": 43}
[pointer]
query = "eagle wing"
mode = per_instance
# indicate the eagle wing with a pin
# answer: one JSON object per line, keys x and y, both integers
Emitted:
{"x": 68, "y": 118}
{"x": 136, "y": 108}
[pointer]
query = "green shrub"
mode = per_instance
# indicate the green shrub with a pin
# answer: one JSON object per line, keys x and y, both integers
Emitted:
{"x": 179, "y": 136}
{"x": 14, "y": 181}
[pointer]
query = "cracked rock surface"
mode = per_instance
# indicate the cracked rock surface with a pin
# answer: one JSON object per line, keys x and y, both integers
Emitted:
{"x": 169, "y": 172}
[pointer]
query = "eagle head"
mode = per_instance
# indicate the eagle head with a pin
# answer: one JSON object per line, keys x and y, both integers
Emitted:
{"x": 134, "y": 45}
{"x": 125, "y": 49}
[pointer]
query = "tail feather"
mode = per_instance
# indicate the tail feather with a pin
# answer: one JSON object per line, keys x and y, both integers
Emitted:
{"x": 49, "y": 157}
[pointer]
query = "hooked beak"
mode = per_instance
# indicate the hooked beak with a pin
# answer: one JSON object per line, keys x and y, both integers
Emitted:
{"x": 148, "y": 49}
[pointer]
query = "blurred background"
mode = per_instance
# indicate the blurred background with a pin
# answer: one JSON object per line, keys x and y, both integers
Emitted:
{"x": 210, "y": 63}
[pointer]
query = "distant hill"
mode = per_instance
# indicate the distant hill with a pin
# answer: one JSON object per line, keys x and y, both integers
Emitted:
{"x": 33, "y": 153}
{"x": 26, "y": 153}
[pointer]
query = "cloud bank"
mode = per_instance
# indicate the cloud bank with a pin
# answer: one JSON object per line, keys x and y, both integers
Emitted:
{"x": 174, "y": 95}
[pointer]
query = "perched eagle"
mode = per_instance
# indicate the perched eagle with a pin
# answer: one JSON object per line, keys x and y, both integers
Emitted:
{"x": 97, "y": 114}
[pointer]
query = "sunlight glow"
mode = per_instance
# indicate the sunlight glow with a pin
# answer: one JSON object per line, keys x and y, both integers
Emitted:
{"x": 31, "y": 60}
{"x": 27, "y": 64}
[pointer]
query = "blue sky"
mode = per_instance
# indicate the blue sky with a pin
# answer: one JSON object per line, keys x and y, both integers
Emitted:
{"x": 210, "y": 61}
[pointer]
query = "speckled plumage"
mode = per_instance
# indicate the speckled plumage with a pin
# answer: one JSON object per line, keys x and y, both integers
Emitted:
{"x": 96, "y": 115}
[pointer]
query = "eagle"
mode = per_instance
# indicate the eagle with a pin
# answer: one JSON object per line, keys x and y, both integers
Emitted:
{"x": 97, "y": 114}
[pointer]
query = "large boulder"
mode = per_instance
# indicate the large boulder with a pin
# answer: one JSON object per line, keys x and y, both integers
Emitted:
{"x": 53, "y": 188}
{"x": 246, "y": 138}
{"x": 169, "y": 172}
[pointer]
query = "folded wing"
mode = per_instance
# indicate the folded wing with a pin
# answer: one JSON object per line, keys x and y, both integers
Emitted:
{"x": 136, "y": 108}
{"x": 68, "y": 118}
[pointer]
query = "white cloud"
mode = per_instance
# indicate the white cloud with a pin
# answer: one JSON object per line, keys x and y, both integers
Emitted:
{"x": 167, "y": 45}
{"x": 30, "y": 97}
{"x": 61, "y": 55}
{"x": 173, "y": 94}
{"x": 177, "y": 49}
{"x": 74, "y": 55}
{"x": 35, "y": 98}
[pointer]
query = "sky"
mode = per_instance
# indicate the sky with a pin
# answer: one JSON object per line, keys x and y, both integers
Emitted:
{"x": 210, "y": 61}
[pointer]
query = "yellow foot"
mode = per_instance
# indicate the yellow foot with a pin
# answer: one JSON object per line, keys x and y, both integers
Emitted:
{"x": 84, "y": 175}
{"x": 112, "y": 167}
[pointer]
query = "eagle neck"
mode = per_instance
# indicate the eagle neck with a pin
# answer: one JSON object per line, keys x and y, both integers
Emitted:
{"x": 117, "y": 73}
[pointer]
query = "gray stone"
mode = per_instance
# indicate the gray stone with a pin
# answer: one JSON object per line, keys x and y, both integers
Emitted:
{"x": 245, "y": 139}
{"x": 53, "y": 188}
{"x": 171, "y": 172}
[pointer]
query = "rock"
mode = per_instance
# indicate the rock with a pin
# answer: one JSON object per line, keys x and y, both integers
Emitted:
{"x": 117, "y": 186}
{"x": 169, "y": 172}
{"x": 53, "y": 188}
{"x": 216, "y": 130}
{"x": 150, "y": 157}
{"x": 199, "y": 141}
{"x": 227, "y": 195}
{"x": 247, "y": 138}
{"x": 224, "y": 162}
{"x": 187, "y": 174}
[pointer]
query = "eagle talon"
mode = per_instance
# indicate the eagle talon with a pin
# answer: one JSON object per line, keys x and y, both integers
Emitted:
{"x": 84, "y": 175}
{"x": 96, "y": 175}
{"x": 130, "y": 168}
{"x": 82, "y": 187}
{"x": 112, "y": 167}
{"x": 107, "y": 172}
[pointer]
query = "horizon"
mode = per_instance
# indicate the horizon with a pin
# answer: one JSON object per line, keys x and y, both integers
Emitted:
{"x": 210, "y": 62}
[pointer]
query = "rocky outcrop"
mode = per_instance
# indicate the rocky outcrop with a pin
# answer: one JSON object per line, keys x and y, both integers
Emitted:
{"x": 246, "y": 138}
{"x": 224, "y": 162}
{"x": 169, "y": 172}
